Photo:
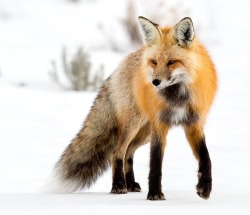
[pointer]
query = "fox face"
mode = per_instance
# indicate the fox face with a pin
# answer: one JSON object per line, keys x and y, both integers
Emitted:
{"x": 168, "y": 53}
{"x": 166, "y": 71}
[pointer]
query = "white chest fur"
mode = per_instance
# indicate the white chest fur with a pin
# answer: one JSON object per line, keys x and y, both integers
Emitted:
{"x": 178, "y": 115}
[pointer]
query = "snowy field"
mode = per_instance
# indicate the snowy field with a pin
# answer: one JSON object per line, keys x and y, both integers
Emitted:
{"x": 38, "y": 118}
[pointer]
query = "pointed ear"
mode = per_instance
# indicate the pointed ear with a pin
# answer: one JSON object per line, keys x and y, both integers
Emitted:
{"x": 184, "y": 32}
{"x": 150, "y": 31}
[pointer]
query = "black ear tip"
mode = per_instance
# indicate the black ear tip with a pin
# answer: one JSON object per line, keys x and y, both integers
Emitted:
{"x": 142, "y": 17}
{"x": 187, "y": 19}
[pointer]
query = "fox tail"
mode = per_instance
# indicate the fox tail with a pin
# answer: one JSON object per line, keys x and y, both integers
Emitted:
{"x": 90, "y": 152}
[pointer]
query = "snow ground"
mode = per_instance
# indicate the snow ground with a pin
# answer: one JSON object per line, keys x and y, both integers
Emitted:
{"x": 102, "y": 203}
{"x": 39, "y": 119}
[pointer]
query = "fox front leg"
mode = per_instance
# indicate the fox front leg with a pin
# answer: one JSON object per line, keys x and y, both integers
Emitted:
{"x": 158, "y": 142}
{"x": 204, "y": 186}
{"x": 196, "y": 139}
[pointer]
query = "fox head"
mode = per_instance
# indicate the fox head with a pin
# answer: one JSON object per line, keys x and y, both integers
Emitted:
{"x": 168, "y": 56}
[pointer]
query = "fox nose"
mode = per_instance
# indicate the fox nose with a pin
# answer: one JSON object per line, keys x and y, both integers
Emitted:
{"x": 156, "y": 82}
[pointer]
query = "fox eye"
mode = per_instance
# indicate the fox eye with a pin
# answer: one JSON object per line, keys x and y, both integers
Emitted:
{"x": 153, "y": 61}
{"x": 171, "y": 62}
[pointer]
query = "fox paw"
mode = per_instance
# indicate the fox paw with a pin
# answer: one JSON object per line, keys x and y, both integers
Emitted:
{"x": 204, "y": 189}
{"x": 155, "y": 196}
{"x": 119, "y": 188}
{"x": 133, "y": 187}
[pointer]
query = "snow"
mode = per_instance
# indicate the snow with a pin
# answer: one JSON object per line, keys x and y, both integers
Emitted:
{"x": 102, "y": 203}
{"x": 38, "y": 118}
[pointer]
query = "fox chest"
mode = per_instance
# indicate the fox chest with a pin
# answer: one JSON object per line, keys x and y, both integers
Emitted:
{"x": 179, "y": 109}
{"x": 180, "y": 115}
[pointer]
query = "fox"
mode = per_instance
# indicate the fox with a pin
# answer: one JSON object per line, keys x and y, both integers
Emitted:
{"x": 170, "y": 81}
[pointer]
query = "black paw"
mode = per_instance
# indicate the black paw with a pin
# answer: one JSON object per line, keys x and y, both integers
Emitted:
{"x": 119, "y": 188}
{"x": 204, "y": 189}
{"x": 133, "y": 187}
{"x": 156, "y": 196}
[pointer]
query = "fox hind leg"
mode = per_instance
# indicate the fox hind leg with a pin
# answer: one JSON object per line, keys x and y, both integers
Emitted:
{"x": 127, "y": 134}
{"x": 132, "y": 185}
{"x": 139, "y": 140}
{"x": 119, "y": 184}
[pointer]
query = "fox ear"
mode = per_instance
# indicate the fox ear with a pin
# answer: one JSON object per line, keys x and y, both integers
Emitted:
{"x": 184, "y": 32}
{"x": 150, "y": 31}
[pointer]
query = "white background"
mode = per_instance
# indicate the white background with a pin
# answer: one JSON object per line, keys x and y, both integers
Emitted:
{"x": 38, "y": 118}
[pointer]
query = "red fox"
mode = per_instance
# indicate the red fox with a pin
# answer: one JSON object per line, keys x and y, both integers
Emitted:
{"x": 170, "y": 81}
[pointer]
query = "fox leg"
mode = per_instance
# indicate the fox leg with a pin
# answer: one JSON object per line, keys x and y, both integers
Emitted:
{"x": 119, "y": 182}
{"x": 157, "y": 146}
{"x": 139, "y": 140}
{"x": 196, "y": 139}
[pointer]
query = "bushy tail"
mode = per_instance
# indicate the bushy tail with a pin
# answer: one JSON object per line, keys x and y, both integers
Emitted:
{"x": 90, "y": 152}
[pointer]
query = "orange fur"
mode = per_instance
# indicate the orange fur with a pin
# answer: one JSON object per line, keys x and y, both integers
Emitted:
{"x": 198, "y": 64}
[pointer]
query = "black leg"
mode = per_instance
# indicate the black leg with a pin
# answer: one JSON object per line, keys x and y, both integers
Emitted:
{"x": 140, "y": 139}
{"x": 132, "y": 186}
{"x": 155, "y": 174}
{"x": 119, "y": 184}
{"x": 204, "y": 185}
{"x": 196, "y": 139}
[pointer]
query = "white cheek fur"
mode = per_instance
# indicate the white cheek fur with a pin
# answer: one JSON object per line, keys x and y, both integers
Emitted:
{"x": 178, "y": 76}
{"x": 181, "y": 75}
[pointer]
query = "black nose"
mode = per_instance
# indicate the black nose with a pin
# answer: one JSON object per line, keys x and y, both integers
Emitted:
{"x": 156, "y": 82}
